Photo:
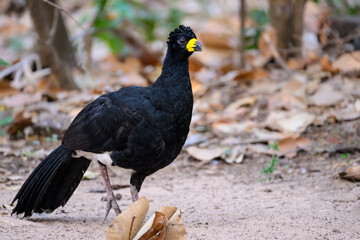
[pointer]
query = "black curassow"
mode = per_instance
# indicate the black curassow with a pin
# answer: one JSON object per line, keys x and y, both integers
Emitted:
{"x": 138, "y": 128}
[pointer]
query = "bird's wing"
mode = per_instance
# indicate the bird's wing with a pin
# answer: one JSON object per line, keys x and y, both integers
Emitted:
{"x": 104, "y": 124}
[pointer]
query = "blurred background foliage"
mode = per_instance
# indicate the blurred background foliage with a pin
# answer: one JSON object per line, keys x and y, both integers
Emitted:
{"x": 118, "y": 14}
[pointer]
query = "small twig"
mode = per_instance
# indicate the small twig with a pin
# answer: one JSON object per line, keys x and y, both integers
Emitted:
{"x": 64, "y": 11}
{"x": 346, "y": 39}
{"x": 131, "y": 226}
{"x": 242, "y": 28}
{"x": 23, "y": 68}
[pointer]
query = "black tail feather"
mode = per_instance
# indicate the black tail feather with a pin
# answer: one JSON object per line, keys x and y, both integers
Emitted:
{"x": 52, "y": 182}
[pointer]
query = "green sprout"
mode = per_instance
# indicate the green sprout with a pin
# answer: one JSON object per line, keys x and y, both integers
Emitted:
{"x": 346, "y": 156}
{"x": 269, "y": 167}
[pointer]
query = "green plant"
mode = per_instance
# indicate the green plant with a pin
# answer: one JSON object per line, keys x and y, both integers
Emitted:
{"x": 252, "y": 34}
{"x": 3, "y": 63}
{"x": 269, "y": 167}
{"x": 6, "y": 120}
{"x": 346, "y": 156}
{"x": 117, "y": 14}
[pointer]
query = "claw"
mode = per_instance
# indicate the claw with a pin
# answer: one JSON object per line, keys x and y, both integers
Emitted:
{"x": 111, "y": 204}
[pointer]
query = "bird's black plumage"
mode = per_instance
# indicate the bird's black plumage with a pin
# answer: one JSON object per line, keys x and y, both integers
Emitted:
{"x": 142, "y": 128}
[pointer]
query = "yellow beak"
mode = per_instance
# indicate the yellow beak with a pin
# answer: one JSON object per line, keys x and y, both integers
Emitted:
{"x": 193, "y": 45}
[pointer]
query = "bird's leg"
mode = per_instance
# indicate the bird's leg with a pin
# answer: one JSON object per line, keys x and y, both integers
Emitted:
{"x": 136, "y": 181}
{"x": 134, "y": 193}
{"x": 111, "y": 202}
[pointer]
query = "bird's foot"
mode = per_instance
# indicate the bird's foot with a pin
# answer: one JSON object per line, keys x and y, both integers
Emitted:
{"x": 134, "y": 193}
{"x": 111, "y": 204}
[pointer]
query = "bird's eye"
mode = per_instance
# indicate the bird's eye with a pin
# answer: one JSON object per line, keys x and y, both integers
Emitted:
{"x": 182, "y": 41}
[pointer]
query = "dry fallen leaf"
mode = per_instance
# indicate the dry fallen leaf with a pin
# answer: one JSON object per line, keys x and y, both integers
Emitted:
{"x": 290, "y": 146}
{"x": 348, "y": 62}
{"x": 326, "y": 65}
{"x": 286, "y": 101}
{"x": 326, "y": 95}
{"x": 244, "y": 75}
{"x": 6, "y": 90}
{"x": 19, "y": 124}
{"x": 348, "y": 113}
{"x": 352, "y": 173}
{"x": 133, "y": 79}
{"x": 157, "y": 229}
{"x": 21, "y": 99}
{"x": 204, "y": 154}
{"x": 234, "y": 128}
{"x": 262, "y": 148}
{"x": 174, "y": 230}
{"x": 289, "y": 121}
{"x": 128, "y": 223}
{"x": 235, "y": 154}
{"x": 247, "y": 101}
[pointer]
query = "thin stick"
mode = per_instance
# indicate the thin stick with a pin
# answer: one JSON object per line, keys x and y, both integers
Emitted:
{"x": 131, "y": 226}
{"x": 64, "y": 11}
{"x": 242, "y": 37}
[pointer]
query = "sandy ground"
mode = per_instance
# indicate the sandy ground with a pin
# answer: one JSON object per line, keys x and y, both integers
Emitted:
{"x": 219, "y": 201}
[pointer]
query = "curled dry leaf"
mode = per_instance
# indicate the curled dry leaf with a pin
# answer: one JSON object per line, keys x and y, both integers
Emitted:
{"x": 157, "y": 229}
{"x": 174, "y": 230}
{"x": 204, "y": 154}
{"x": 289, "y": 146}
{"x": 352, "y": 173}
{"x": 127, "y": 224}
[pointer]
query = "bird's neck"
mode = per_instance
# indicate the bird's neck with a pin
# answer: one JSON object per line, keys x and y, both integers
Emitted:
{"x": 175, "y": 64}
{"x": 175, "y": 73}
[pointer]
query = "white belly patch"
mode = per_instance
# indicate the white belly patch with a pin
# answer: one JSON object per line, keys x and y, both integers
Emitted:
{"x": 104, "y": 158}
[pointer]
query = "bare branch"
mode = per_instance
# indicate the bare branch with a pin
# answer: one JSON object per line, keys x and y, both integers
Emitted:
{"x": 64, "y": 11}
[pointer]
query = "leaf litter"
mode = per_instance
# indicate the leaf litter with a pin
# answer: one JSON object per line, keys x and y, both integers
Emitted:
{"x": 237, "y": 112}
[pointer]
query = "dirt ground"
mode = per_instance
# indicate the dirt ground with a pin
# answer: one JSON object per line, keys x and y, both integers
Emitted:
{"x": 219, "y": 201}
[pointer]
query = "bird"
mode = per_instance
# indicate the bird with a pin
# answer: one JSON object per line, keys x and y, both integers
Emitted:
{"x": 138, "y": 128}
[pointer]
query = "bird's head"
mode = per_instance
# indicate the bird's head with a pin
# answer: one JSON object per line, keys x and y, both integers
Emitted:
{"x": 182, "y": 42}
